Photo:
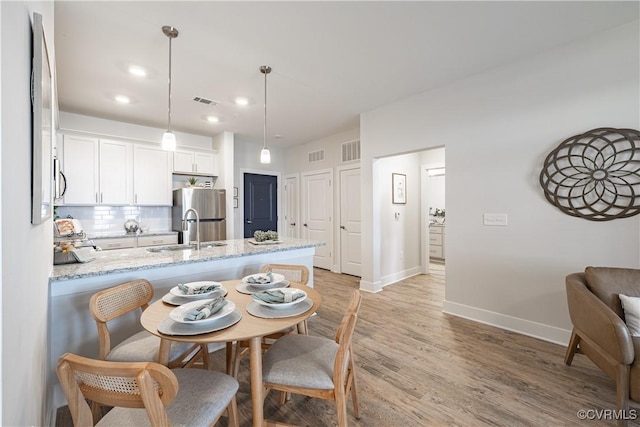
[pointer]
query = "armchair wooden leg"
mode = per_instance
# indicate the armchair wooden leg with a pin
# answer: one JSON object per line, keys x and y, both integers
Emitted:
{"x": 232, "y": 411}
{"x": 622, "y": 392}
{"x": 230, "y": 358}
{"x": 572, "y": 347}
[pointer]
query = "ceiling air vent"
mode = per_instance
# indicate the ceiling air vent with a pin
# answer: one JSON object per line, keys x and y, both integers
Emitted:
{"x": 206, "y": 101}
{"x": 351, "y": 151}
{"x": 316, "y": 156}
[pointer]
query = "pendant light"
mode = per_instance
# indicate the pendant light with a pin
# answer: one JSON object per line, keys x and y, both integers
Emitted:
{"x": 168, "y": 138}
{"x": 265, "y": 155}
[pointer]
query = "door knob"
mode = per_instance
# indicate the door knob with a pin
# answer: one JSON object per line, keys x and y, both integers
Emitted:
{"x": 304, "y": 225}
{"x": 343, "y": 227}
{"x": 293, "y": 224}
{"x": 249, "y": 221}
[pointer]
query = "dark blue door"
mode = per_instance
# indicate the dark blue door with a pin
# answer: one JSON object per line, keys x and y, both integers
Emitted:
{"x": 260, "y": 203}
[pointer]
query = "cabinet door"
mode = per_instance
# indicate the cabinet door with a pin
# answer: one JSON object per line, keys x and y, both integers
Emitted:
{"x": 80, "y": 167}
{"x": 183, "y": 161}
{"x": 151, "y": 176}
{"x": 115, "y": 173}
{"x": 203, "y": 163}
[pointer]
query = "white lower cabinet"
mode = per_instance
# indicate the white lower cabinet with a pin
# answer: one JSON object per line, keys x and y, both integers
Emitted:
{"x": 436, "y": 241}
{"x": 157, "y": 240}
{"x": 136, "y": 241}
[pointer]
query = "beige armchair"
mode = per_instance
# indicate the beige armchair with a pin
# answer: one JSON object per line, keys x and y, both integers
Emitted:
{"x": 599, "y": 330}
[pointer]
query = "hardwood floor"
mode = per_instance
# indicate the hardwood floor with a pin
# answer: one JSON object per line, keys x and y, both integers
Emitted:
{"x": 420, "y": 367}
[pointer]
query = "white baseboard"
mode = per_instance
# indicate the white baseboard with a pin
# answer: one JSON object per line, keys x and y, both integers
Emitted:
{"x": 372, "y": 287}
{"x": 514, "y": 324}
{"x": 400, "y": 275}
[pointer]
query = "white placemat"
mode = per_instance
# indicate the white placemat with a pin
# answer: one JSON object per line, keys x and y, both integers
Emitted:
{"x": 169, "y": 327}
{"x": 257, "y": 310}
{"x": 245, "y": 288}
{"x": 171, "y": 299}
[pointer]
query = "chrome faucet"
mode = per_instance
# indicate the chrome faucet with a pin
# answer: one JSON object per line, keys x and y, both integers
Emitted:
{"x": 185, "y": 228}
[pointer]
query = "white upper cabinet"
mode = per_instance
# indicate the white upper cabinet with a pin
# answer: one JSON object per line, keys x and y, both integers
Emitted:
{"x": 80, "y": 167}
{"x": 115, "y": 173}
{"x": 151, "y": 176}
{"x": 97, "y": 171}
{"x": 195, "y": 162}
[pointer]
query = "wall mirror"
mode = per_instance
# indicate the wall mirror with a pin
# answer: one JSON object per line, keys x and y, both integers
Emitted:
{"x": 42, "y": 126}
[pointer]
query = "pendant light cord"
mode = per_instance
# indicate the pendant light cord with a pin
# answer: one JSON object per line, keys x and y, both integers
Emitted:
{"x": 169, "y": 111}
{"x": 265, "y": 109}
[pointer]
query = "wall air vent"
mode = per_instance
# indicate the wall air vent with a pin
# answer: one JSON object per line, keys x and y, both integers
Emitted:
{"x": 316, "y": 156}
{"x": 351, "y": 151}
{"x": 206, "y": 101}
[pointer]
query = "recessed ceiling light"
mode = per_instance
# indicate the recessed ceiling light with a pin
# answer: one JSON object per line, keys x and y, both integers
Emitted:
{"x": 122, "y": 99}
{"x": 213, "y": 119}
{"x": 242, "y": 101}
{"x": 137, "y": 71}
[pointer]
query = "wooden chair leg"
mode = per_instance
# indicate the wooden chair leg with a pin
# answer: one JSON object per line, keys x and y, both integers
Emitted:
{"x": 232, "y": 410}
{"x": 572, "y": 348}
{"x": 341, "y": 408}
{"x": 622, "y": 393}
{"x": 354, "y": 389}
{"x": 204, "y": 349}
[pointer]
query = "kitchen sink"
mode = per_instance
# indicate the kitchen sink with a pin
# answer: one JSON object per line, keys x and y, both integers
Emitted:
{"x": 183, "y": 247}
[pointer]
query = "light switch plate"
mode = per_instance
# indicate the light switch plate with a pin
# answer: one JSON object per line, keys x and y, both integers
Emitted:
{"x": 499, "y": 219}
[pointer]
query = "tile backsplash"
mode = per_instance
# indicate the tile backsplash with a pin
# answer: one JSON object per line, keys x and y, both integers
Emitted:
{"x": 110, "y": 219}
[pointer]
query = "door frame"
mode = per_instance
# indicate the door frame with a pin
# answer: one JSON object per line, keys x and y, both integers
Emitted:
{"x": 241, "y": 192}
{"x": 424, "y": 213}
{"x": 338, "y": 209}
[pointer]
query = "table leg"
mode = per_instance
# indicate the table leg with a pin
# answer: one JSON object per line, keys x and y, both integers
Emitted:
{"x": 257, "y": 398}
{"x": 163, "y": 352}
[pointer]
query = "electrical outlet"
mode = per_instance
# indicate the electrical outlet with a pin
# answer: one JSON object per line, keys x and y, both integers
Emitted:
{"x": 499, "y": 219}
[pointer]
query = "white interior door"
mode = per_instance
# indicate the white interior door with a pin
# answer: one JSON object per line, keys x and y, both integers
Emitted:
{"x": 291, "y": 206}
{"x": 350, "y": 251}
{"x": 317, "y": 211}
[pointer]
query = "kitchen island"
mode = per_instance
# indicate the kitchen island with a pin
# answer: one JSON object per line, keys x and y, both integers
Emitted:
{"x": 71, "y": 327}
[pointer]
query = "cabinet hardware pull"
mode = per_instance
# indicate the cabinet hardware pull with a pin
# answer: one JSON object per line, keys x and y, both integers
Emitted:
{"x": 96, "y": 197}
{"x": 100, "y": 197}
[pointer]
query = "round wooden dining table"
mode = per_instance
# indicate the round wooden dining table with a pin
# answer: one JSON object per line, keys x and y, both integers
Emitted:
{"x": 249, "y": 328}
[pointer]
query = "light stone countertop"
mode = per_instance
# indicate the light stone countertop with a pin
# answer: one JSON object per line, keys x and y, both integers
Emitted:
{"x": 123, "y": 260}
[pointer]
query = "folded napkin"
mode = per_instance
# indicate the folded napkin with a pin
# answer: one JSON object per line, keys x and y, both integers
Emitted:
{"x": 261, "y": 279}
{"x": 278, "y": 296}
{"x": 206, "y": 310}
{"x": 195, "y": 290}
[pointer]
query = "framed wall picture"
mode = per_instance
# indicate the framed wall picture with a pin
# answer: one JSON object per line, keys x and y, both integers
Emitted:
{"x": 399, "y": 188}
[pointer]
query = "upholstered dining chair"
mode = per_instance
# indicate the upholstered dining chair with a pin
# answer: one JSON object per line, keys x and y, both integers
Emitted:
{"x": 145, "y": 393}
{"x": 292, "y": 273}
{"x": 109, "y": 304}
{"x": 317, "y": 366}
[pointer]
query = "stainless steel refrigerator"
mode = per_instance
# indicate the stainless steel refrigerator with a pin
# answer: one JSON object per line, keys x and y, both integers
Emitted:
{"x": 211, "y": 207}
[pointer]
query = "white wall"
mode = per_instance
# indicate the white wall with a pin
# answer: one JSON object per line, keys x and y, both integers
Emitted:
{"x": 26, "y": 258}
{"x": 497, "y": 128}
{"x": 297, "y": 157}
{"x": 400, "y": 224}
{"x": 224, "y": 144}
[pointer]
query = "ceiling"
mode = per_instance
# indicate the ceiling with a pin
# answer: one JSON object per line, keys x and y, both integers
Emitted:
{"x": 331, "y": 61}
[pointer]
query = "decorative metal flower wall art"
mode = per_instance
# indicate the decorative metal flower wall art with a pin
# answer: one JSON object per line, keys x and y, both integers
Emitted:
{"x": 595, "y": 175}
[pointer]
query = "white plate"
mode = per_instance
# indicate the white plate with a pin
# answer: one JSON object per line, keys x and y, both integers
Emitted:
{"x": 177, "y": 292}
{"x": 277, "y": 279}
{"x": 169, "y": 327}
{"x": 171, "y": 299}
{"x": 178, "y": 313}
{"x": 258, "y": 310}
{"x": 245, "y": 288}
{"x": 282, "y": 305}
